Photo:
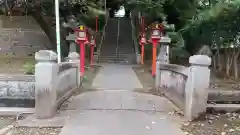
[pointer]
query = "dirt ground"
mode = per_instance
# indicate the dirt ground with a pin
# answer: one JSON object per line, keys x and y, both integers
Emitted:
{"x": 225, "y": 84}
{"x": 91, "y": 71}
{"x": 214, "y": 124}
{"x": 35, "y": 131}
{"x": 144, "y": 75}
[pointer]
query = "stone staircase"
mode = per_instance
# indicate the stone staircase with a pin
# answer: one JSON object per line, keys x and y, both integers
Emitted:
{"x": 108, "y": 49}
{"x": 126, "y": 50}
{"x": 118, "y": 45}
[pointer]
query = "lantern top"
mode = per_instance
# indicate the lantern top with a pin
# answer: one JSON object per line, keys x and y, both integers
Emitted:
{"x": 158, "y": 27}
{"x": 81, "y": 27}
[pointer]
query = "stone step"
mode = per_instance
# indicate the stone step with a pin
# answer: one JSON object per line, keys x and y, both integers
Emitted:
{"x": 118, "y": 52}
{"x": 115, "y": 58}
{"x": 115, "y": 55}
{"x": 113, "y": 61}
{"x": 125, "y": 49}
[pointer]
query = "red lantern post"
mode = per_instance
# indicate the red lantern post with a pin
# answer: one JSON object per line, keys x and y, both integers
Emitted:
{"x": 155, "y": 38}
{"x": 92, "y": 45}
{"x": 81, "y": 40}
{"x": 142, "y": 43}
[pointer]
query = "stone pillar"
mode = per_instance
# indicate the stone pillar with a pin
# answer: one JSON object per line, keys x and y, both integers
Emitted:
{"x": 163, "y": 55}
{"x": 73, "y": 47}
{"x": 46, "y": 72}
{"x": 74, "y": 57}
{"x": 198, "y": 81}
{"x": 162, "y": 58}
{"x": 158, "y": 75}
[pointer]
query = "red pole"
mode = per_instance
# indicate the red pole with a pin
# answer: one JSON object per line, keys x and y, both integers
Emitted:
{"x": 142, "y": 54}
{"x": 154, "y": 53}
{"x": 91, "y": 57}
{"x": 82, "y": 58}
{"x": 96, "y": 23}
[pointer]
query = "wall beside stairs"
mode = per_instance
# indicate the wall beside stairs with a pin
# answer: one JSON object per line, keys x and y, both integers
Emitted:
{"x": 21, "y": 35}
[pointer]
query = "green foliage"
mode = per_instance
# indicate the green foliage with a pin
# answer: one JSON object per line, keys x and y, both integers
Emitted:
{"x": 152, "y": 10}
{"x": 214, "y": 25}
{"x": 29, "y": 68}
{"x": 89, "y": 21}
{"x": 176, "y": 39}
{"x": 198, "y": 22}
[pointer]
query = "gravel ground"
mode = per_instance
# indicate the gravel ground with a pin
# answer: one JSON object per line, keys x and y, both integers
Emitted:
{"x": 214, "y": 124}
{"x": 6, "y": 120}
{"x": 35, "y": 131}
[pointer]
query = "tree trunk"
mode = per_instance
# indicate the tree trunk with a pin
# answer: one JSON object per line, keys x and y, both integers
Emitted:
{"x": 235, "y": 64}
{"x": 228, "y": 67}
{"x": 7, "y": 8}
{"x": 229, "y": 60}
{"x": 219, "y": 62}
{"x": 214, "y": 58}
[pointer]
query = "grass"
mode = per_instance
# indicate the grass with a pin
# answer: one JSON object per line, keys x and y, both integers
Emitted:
{"x": 16, "y": 65}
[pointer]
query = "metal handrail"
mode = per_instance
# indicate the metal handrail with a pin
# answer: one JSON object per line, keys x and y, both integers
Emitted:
{"x": 118, "y": 34}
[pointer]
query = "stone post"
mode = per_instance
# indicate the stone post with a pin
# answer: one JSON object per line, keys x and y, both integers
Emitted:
{"x": 74, "y": 57}
{"x": 71, "y": 38}
{"x": 162, "y": 58}
{"x": 73, "y": 47}
{"x": 196, "y": 86}
{"x": 46, "y": 71}
{"x": 158, "y": 75}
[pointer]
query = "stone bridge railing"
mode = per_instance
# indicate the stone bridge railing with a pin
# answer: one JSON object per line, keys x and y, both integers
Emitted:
{"x": 54, "y": 82}
{"x": 186, "y": 87}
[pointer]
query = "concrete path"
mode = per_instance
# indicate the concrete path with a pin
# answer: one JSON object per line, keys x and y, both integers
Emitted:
{"x": 121, "y": 112}
{"x": 119, "y": 123}
{"x": 116, "y": 77}
{"x": 119, "y": 100}
{"x": 116, "y": 110}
